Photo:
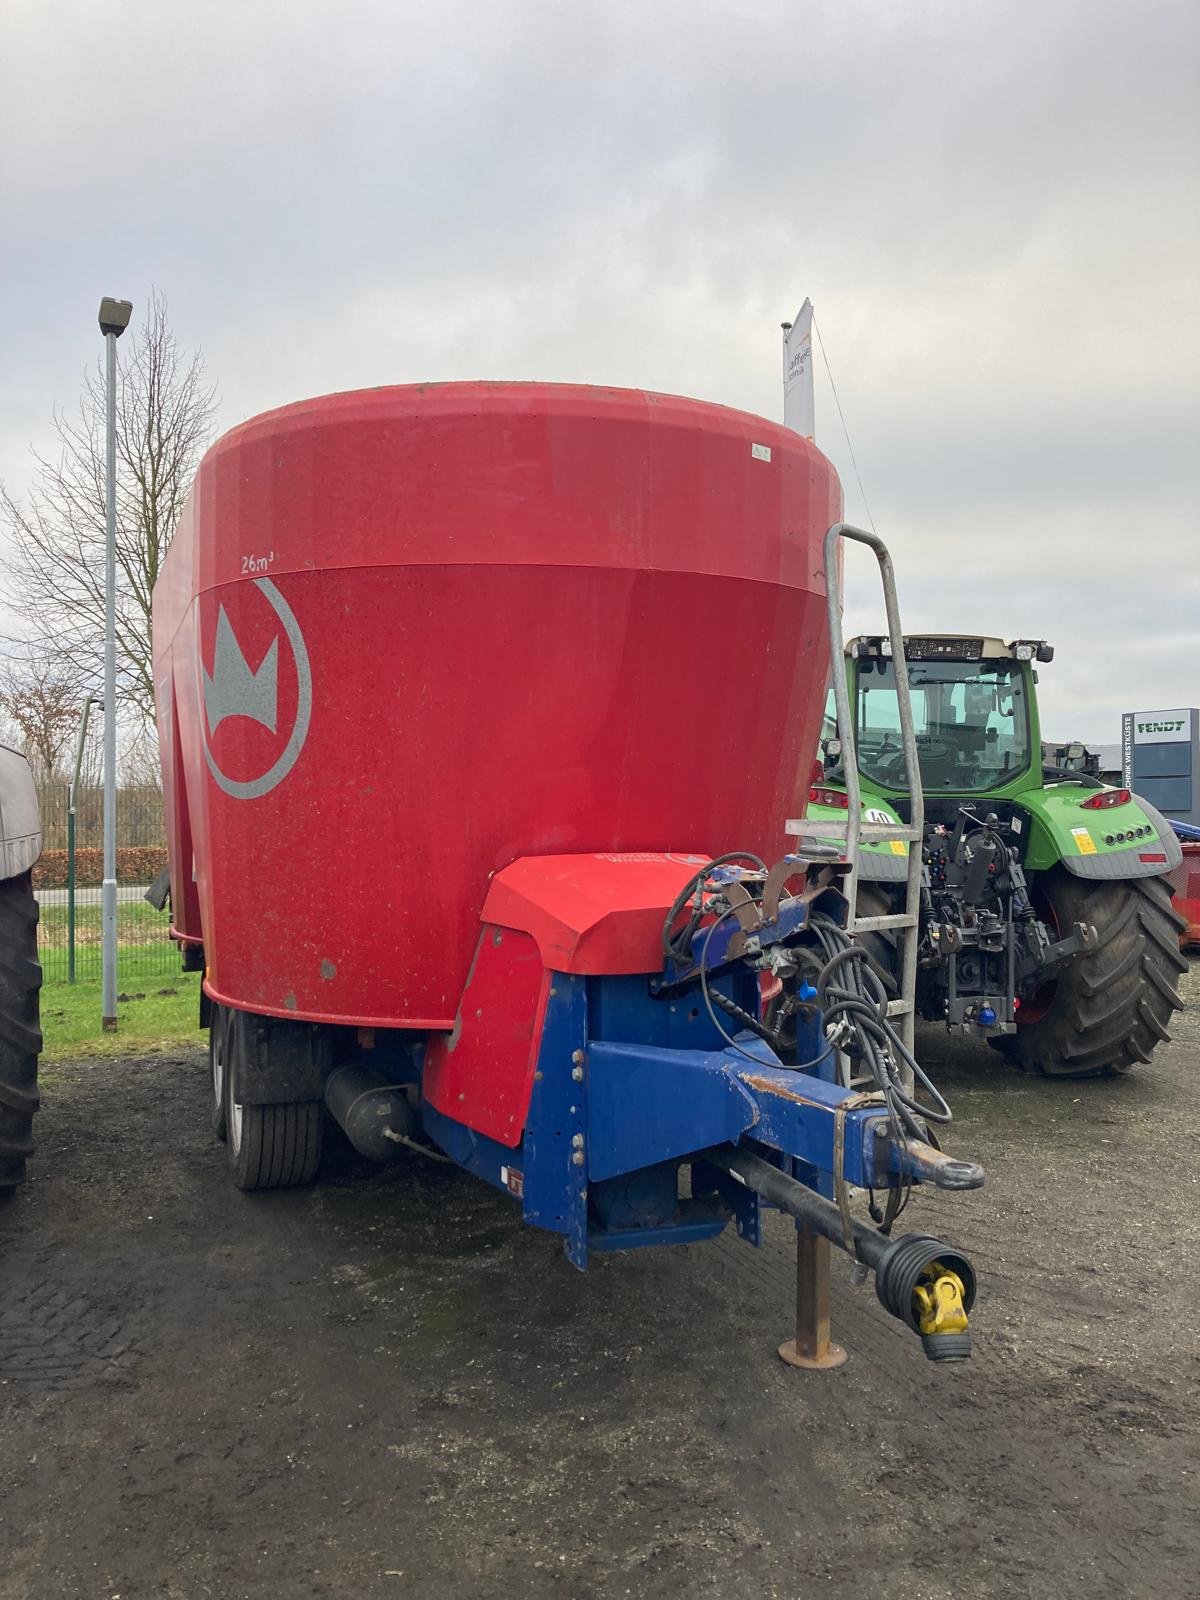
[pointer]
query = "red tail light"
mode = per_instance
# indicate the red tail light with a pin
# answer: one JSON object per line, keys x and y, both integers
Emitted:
{"x": 1153, "y": 857}
{"x": 828, "y": 797}
{"x": 1104, "y": 798}
{"x": 817, "y": 773}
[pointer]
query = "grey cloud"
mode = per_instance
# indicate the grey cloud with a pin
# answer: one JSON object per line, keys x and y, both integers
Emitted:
{"x": 994, "y": 209}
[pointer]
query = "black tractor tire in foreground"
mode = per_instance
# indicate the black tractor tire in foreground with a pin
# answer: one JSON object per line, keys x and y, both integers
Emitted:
{"x": 270, "y": 1146}
{"x": 1107, "y": 1009}
{"x": 20, "y": 1033}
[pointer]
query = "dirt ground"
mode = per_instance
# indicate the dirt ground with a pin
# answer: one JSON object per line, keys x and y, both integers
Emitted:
{"x": 385, "y": 1386}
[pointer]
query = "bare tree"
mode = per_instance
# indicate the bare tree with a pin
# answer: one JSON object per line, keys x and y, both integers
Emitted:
{"x": 137, "y": 760}
{"x": 55, "y": 574}
{"x": 42, "y": 700}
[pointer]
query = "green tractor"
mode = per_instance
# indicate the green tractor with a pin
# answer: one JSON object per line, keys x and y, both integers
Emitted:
{"x": 1044, "y": 922}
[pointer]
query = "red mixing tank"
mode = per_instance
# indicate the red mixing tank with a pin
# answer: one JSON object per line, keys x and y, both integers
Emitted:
{"x": 404, "y": 636}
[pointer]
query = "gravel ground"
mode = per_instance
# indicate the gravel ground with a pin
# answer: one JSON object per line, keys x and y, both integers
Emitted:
{"x": 384, "y": 1386}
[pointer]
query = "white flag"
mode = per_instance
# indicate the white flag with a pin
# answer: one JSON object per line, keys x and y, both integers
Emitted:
{"x": 798, "y": 408}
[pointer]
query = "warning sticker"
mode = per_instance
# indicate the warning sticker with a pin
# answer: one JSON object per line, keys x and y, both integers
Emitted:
{"x": 898, "y": 847}
{"x": 760, "y": 452}
{"x": 513, "y": 1180}
{"x": 1087, "y": 845}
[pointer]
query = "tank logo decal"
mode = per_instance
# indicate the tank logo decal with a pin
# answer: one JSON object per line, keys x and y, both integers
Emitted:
{"x": 234, "y": 690}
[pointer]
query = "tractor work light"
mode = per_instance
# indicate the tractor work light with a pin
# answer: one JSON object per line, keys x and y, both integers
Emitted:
{"x": 1104, "y": 798}
{"x": 1032, "y": 650}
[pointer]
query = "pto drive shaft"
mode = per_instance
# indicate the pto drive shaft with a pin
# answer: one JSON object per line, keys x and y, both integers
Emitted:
{"x": 930, "y": 1287}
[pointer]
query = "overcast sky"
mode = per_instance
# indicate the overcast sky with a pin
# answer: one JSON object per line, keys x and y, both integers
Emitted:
{"x": 993, "y": 207}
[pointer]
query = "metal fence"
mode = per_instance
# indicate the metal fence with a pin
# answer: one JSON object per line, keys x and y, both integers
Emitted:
{"x": 68, "y": 877}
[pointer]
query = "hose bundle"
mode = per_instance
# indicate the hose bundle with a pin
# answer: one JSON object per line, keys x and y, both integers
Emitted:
{"x": 850, "y": 996}
{"x": 853, "y": 1004}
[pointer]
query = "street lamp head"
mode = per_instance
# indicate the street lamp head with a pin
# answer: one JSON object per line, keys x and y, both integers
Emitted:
{"x": 115, "y": 315}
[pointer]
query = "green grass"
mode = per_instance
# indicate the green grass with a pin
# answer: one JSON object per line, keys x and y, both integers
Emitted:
{"x": 158, "y": 1013}
{"x": 137, "y": 923}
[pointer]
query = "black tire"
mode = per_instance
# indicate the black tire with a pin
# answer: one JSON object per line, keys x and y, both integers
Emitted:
{"x": 20, "y": 1033}
{"x": 1111, "y": 1006}
{"x": 272, "y": 1146}
{"x": 873, "y": 901}
{"x": 218, "y": 1051}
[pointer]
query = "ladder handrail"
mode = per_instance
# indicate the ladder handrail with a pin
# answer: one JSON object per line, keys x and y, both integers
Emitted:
{"x": 912, "y": 769}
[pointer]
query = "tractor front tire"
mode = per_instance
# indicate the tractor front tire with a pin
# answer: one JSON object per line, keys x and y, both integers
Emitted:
{"x": 20, "y": 1033}
{"x": 1109, "y": 1007}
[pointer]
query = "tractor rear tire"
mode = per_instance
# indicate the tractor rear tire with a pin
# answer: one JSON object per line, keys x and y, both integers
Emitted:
{"x": 274, "y": 1146}
{"x": 20, "y": 1033}
{"x": 1111, "y": 1005}
{"x": 872, "y": 900}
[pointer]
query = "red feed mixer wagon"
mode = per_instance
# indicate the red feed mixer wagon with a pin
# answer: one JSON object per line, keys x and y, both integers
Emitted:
{"x": 483, "y": 708}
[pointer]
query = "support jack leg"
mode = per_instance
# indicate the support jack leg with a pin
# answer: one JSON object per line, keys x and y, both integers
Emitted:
{"x": 811, "y": 1347}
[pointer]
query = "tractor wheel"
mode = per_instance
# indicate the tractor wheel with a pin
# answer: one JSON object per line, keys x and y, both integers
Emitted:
{"x": 272, "y": 1146}
{"x": 218, "y": 1051}
{"x": 20, "y": 1035}
{"x": 1109, "y": 1007}
{"x": 873, "y": 901}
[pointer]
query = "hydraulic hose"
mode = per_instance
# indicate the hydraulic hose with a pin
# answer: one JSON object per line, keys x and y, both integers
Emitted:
{"x": 851, "y": 998}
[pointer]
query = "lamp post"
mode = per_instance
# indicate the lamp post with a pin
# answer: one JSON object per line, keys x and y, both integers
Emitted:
{"x": 114, "y": 319}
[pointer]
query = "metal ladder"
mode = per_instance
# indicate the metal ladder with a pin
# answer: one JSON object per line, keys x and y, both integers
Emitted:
{"x": 853, "y": 830}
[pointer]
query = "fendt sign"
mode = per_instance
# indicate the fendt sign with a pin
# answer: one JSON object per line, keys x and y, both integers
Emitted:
{"x": 1150, "y": 727}
{"x": 1160, "y": 759}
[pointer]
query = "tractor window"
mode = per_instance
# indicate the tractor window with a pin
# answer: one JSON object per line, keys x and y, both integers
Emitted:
{"x": 970, "y": 717}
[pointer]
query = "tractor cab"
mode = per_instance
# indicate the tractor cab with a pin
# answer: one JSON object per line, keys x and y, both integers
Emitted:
{"x": 973, "y": 706}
